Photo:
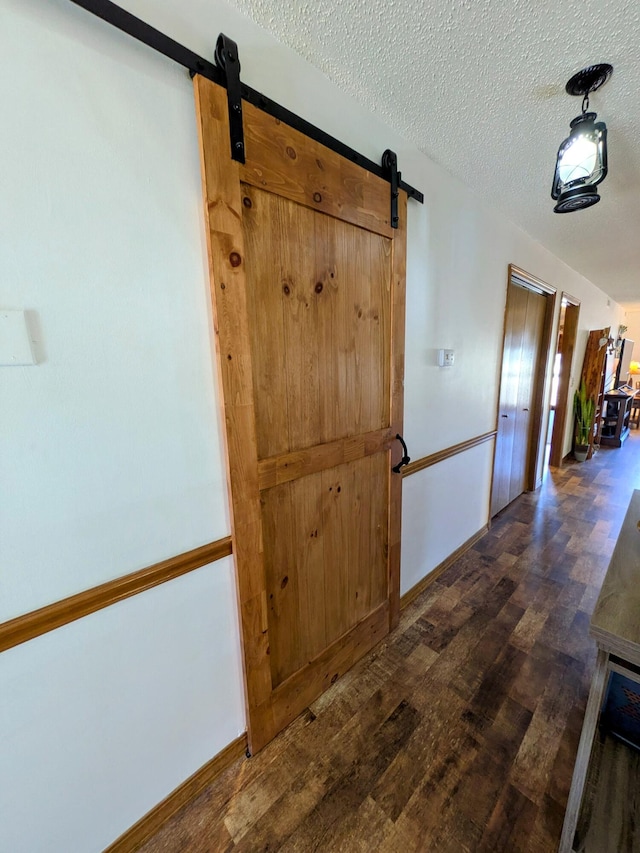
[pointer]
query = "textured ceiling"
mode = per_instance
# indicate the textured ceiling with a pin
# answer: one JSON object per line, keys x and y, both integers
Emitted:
{"x": 478, "y": 86}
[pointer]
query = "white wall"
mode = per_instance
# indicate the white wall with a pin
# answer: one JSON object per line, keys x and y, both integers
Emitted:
{"x": 110, "y": 455}
{"x": 110, "y": 447}
{"x": 458, "y": 257}
{"x": 431, "y": 505}
{"x": 102, "y": 718}
{"x": 632, "y": 322}
{"x": 110, "y": 452}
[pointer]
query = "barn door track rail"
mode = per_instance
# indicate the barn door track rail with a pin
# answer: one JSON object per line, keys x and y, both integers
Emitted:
{"x": 226, "y": 73}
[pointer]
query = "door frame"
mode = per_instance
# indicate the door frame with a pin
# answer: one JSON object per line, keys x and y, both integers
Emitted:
{"x": 564, "y": 381}
{"x": 541, "y": 380}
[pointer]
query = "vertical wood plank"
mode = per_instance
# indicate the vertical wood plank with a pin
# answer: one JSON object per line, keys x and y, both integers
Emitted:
{"x": 300, "y": 316}
{"x": 286, "y": 638}
{"x": 361, "y": 559}
{"x": 223, "y": 212}
{"x": 381, "y": 273}
{"x": 336, "y": 484}
{"x": 347, "y": 415}
{"x": 396, "y": 405}
{"x": 267, "y": 282}
{"x": 377, "y": 525}
{"x": 326, "y": 275}
{"x": 312, "y": 597}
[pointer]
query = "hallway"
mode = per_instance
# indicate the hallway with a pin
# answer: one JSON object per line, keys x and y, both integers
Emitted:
{"x": 459, "y": 732}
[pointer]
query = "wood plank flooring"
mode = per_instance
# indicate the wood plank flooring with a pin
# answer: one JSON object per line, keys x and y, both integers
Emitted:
{"x": 459, "y": 731}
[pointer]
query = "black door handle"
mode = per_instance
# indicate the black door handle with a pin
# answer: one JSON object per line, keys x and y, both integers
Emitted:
{"x": 405, "y": 459}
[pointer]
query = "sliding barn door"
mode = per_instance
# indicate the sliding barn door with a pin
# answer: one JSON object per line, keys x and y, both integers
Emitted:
{"x": 307, "y": 284}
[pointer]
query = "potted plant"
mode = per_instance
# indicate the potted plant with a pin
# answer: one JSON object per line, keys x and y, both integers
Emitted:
{"x": 584, "y": 410}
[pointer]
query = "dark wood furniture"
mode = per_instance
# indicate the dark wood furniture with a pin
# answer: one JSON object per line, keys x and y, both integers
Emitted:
{"x": 614, "y": 427}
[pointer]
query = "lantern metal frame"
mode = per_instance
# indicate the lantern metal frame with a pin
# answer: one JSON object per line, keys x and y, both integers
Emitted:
{"x": 581, "y": 192}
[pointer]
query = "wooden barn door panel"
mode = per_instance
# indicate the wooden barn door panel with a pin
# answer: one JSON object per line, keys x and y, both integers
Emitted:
{"x": 319, "y": 324}
{"x": 307, "y": 283}
{"x": 321, "y": 578}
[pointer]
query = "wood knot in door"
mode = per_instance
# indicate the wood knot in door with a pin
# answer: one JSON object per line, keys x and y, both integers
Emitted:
{"x": 291, "y": 152}
{"x": 317, "y": 197}
{"x": 318, "y": 287}
{"x": 285, "y": 581}
{"x": 234, "y": 259}
{"x": 247, "y": 201}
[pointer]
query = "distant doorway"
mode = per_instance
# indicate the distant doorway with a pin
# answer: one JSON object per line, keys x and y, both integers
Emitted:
{"x": 561, "y": 382}
{"x": 519, "y": 447}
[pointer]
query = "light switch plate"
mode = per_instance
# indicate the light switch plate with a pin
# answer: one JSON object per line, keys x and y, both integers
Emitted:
{"x": 15, "y": 340}
{"x": 445, "y": 358}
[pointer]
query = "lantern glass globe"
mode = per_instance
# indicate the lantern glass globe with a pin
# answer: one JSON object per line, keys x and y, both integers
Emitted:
{"x": 578, "y": 160}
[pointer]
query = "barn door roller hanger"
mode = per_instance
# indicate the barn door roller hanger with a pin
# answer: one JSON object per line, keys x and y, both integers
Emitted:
{"x": 226, "y": 72}
{"x": 227, "y": 59}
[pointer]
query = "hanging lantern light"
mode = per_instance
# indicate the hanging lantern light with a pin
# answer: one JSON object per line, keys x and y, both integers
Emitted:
{"x": 582, "y": 158}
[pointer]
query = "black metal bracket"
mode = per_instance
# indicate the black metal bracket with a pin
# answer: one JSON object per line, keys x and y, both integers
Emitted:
{"x": 390, "y": 165}
{"x": 405, "y": 458}
{"x": 227, "y": 59}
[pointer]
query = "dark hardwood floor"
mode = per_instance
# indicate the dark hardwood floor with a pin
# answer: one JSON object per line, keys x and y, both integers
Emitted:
{"x": 459, "y": 732}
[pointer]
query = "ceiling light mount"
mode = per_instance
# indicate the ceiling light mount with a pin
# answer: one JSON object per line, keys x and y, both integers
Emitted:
{"x": 581, "y": 163}
{"x": 589, "y": 79}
